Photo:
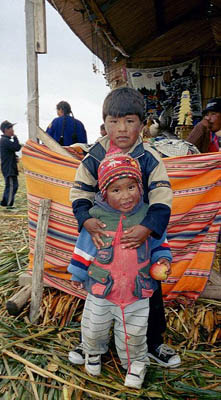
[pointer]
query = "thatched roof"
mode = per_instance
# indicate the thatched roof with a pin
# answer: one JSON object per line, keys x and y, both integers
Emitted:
{"x": 144, "y": 31}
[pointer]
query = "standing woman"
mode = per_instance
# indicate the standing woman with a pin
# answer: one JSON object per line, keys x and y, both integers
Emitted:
{"x": 66, "y": 129}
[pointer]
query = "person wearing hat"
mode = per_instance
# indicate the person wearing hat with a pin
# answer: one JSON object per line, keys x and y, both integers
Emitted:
{"x": 117, "y": 279}
{"x": 205, "y": 135}
{"x": 9, "y": 144}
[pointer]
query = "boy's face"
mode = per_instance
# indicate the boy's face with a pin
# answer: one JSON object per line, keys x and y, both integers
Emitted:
{"x": 9, "y": 132}
{"x": 123, "y": 131}
{"x": 123, "y": 194}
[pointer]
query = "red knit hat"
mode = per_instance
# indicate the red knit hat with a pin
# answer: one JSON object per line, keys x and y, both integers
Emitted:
{"x": 118, "y": 166}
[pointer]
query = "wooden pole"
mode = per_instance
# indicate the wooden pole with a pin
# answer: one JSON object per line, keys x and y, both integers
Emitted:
{"x": 32, "y": 71}
{"x": 39, "y": 255}
{"x": 40, "y": 27}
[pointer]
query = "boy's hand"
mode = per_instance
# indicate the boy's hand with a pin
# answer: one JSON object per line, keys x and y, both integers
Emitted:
{"x": 133, "y": 237}
{"x": 165, "y": 262}
{"x": 94, "y": 227}
{"x": 77, "y": 285}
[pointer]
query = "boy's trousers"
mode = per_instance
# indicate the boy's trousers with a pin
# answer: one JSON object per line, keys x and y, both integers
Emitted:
{"x": 97, "y": 319}
{"x": 157, "y": 321}
{"x": 11, "y": 187}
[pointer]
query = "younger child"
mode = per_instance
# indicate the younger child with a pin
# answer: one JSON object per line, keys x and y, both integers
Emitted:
{"x": 117, "y": 280}
{"x": 123, "y": 113}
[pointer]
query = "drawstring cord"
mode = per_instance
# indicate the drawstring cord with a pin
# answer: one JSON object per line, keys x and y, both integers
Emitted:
{"x": 117, "y": 238}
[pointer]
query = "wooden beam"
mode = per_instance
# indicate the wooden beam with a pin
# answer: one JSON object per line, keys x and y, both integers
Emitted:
{"x": 15, "y": 304}
{"x": 40, "y": 27}
{"x": 213, "y": 287}
{"x": 215, "y": 278}
{"x": 32, "y": 71}
{"x": 25, "y": 279}
{"x": 211, "y": 292}
{"x": 39, "y": 256}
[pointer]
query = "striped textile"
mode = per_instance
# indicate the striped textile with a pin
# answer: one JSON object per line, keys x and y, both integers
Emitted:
{"x": 194, "y": 224}
{"x": 193, "y": 229}
{"x": 50, "y": 175}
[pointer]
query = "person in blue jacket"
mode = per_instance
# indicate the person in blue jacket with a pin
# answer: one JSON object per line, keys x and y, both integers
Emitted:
{"x": 66, "y": 129}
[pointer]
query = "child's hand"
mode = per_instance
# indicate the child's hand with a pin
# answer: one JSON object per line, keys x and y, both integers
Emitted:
{"x": 165, "y": 262}
{"x": 133, "y": 237}
{"x": 77, "y": 285}
{"x": 94, "y": 227}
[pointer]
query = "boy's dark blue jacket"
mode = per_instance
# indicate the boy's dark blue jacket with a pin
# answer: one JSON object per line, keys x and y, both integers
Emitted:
{"x": 8, "y": 157}
{"x": 73, "y": 132}
{"x": 157, "y": 189}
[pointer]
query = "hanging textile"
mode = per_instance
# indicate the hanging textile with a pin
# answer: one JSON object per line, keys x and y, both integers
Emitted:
{"x": 162, "y": 87}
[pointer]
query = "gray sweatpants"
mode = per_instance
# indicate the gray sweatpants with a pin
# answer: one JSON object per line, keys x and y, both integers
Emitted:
{"x": 97, "y": 319}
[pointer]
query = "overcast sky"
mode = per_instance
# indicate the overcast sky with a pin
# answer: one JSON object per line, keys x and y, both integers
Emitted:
{"x": 65, "y": 73}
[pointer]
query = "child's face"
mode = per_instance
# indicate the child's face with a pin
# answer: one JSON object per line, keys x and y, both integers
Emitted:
{"x": 123, "y": 131}
{"x": 123, "y": 194}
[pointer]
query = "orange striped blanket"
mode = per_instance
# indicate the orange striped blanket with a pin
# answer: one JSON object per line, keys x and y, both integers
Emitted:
{"x": 192, "y": 232}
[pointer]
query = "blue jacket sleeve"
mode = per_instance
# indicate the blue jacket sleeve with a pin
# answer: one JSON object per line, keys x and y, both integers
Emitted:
{"x": 81, "y": 209}
{"x": 83, "y": 255}
{"x": 159, "y": 249}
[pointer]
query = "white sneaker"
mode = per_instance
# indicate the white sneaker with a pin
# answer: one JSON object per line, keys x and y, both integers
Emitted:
{"x": 77, "y": 355}
{"x": 93, "y": 364}
{"x": 135, "y": 377}
{"x": 165, "y": 356}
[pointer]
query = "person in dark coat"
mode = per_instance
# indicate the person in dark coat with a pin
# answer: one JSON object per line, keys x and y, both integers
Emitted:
{"x": 66, "y": 129}
{"x": 206, "y": 134}
{"x": 9, "y": 144}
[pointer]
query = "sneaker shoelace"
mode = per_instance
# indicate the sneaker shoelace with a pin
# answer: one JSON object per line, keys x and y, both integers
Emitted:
{"x": 165, "y": 350}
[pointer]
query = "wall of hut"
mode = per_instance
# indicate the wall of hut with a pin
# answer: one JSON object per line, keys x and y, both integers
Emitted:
{"x": 210, "y": 74}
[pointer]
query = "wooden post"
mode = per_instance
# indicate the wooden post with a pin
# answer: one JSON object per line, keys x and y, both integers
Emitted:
{"x": 39, "y": 255}
{"x": 40, "y": 27}
{"x": 32, "y": 71}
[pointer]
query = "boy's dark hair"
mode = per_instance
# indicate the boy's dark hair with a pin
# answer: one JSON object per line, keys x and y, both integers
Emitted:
{"x": 123, "y": 101}
{"x": 65, "y": 107}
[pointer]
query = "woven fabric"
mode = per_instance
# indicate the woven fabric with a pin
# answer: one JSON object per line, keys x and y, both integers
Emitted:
{"x": 193, "y": 229}
{"x": 194, "y": 224}
{"x": 51, "y": 175}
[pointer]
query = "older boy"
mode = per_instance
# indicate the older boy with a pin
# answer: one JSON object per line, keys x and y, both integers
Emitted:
{"x": 123, "y": 115}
